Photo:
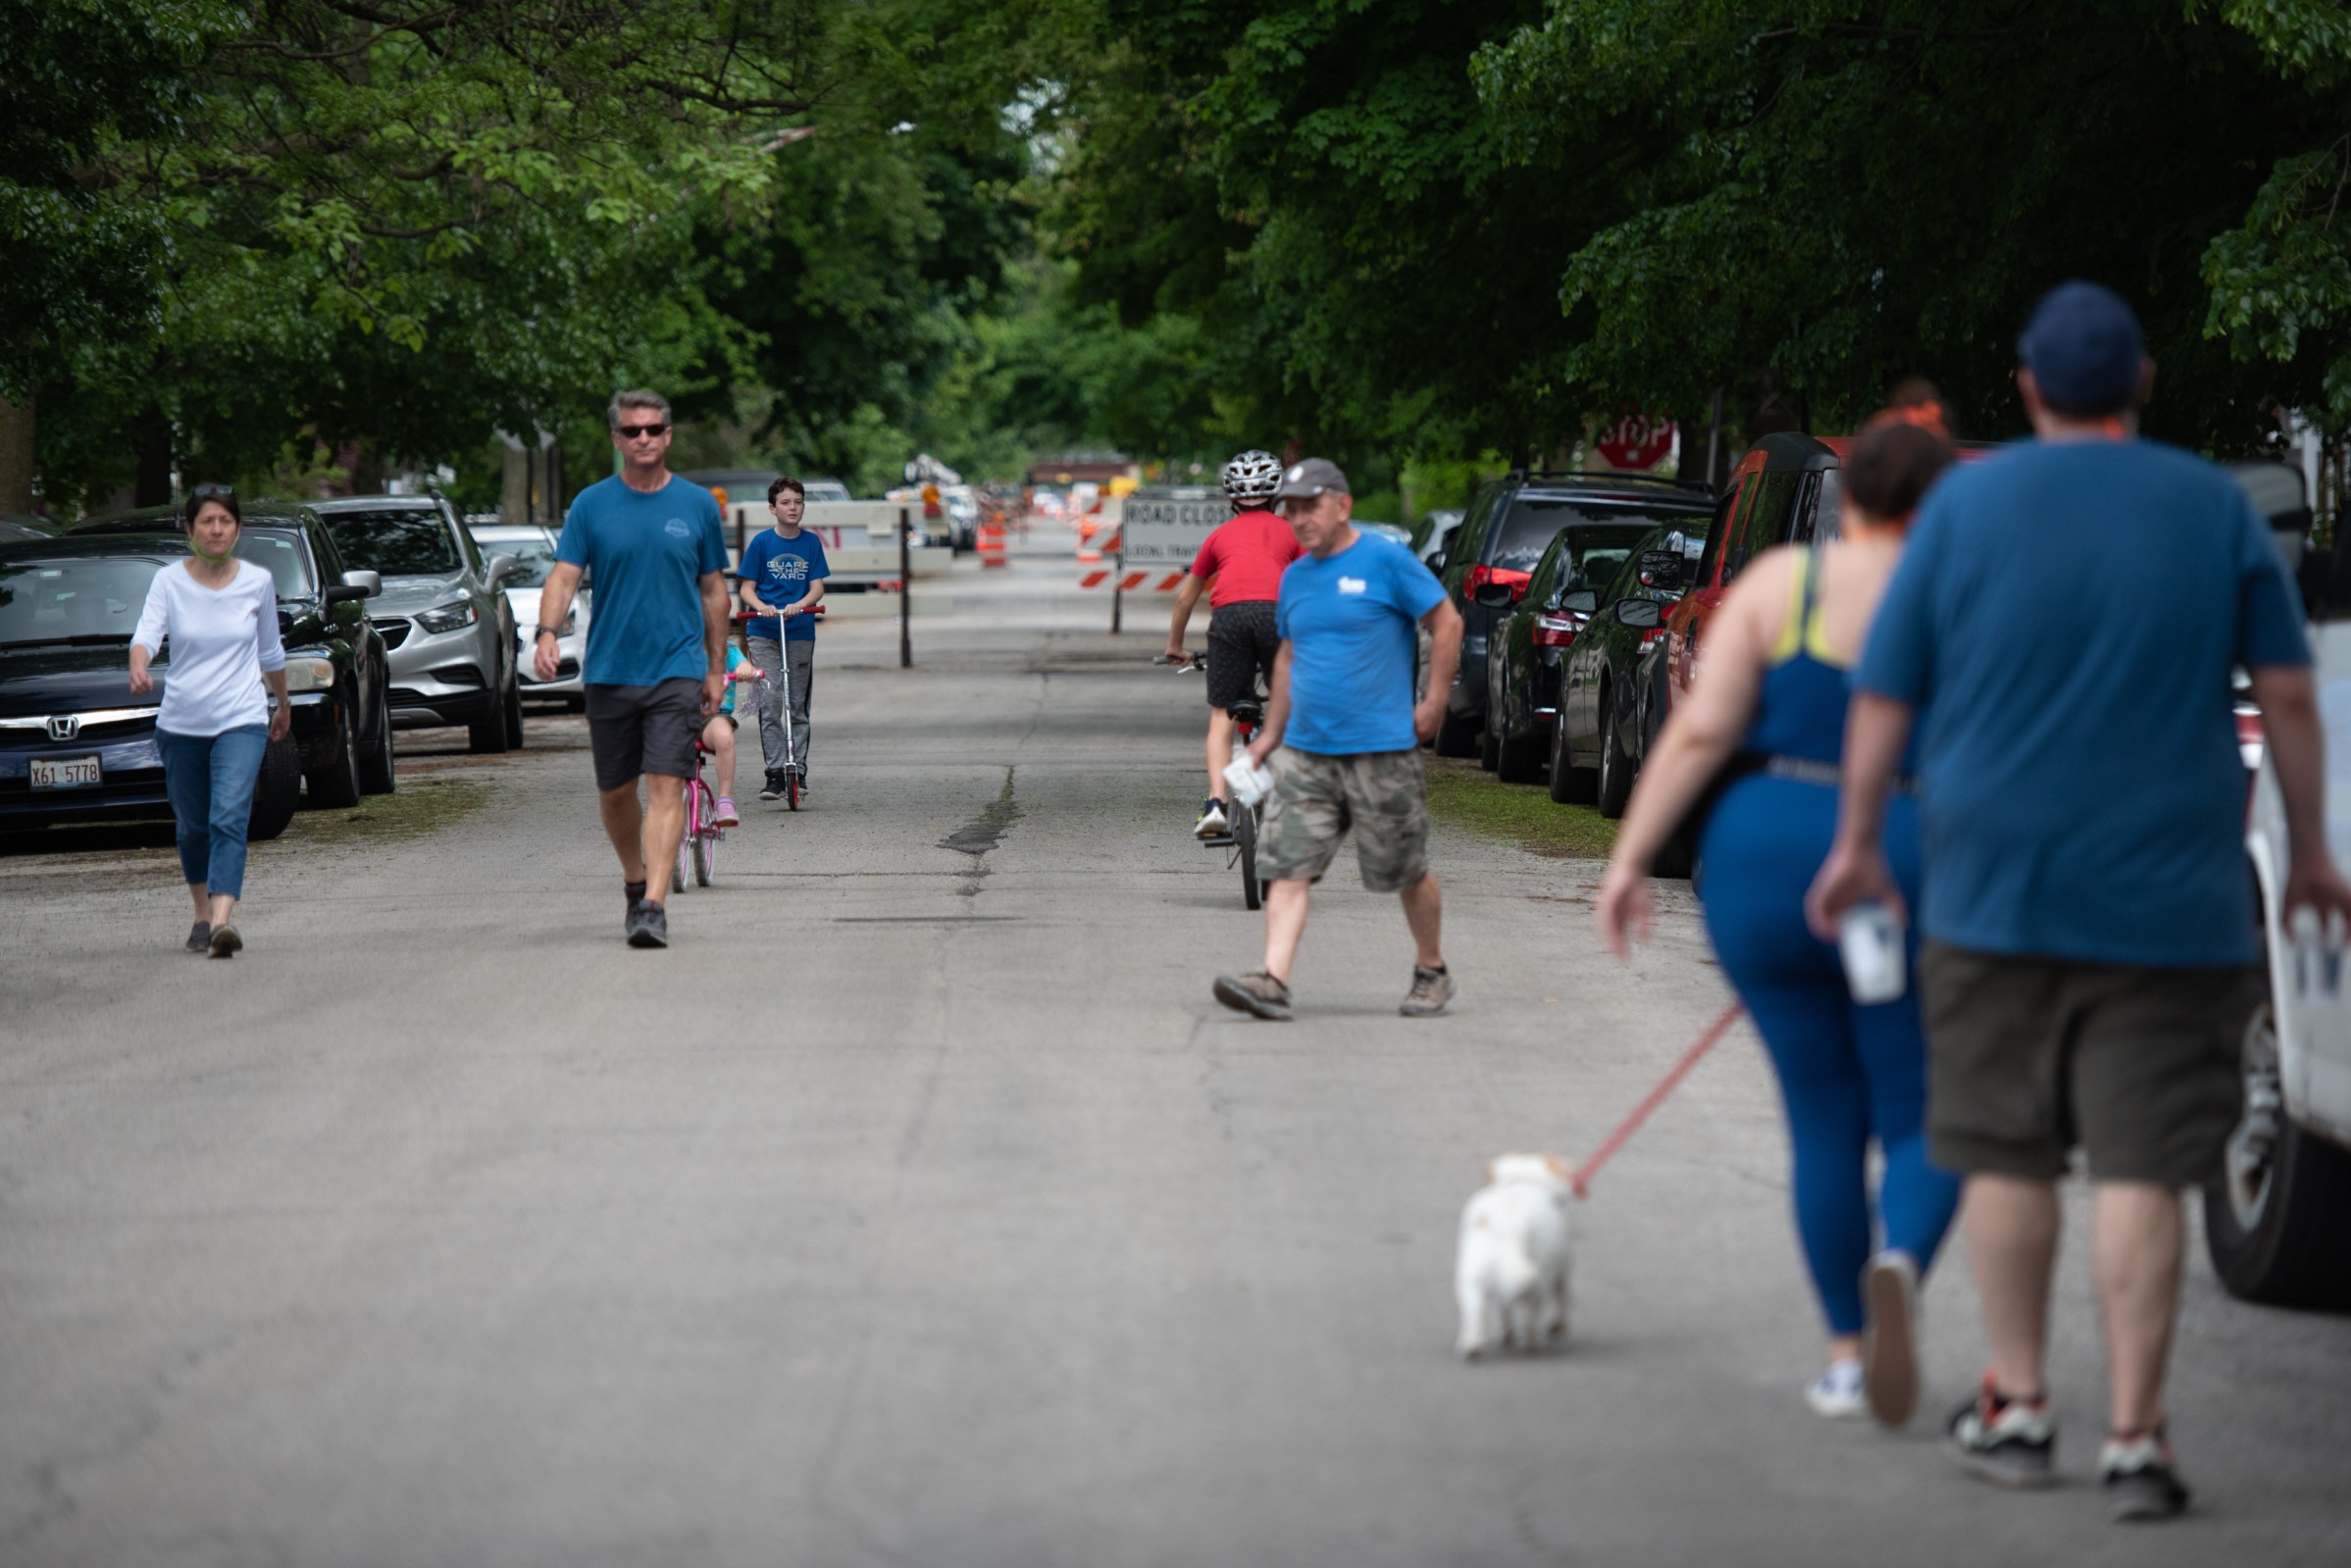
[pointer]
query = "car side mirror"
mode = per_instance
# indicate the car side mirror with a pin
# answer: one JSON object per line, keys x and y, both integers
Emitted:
{"x": 354, "y": 586}
{"x": 1498, "y": 596}
{"x": 1583, "y": 601}
{"x": 498, "y": 570}
{"x": 1640, "y": 613}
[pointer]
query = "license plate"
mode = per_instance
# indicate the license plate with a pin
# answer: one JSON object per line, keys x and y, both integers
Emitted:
{"x": 66, "y": 773}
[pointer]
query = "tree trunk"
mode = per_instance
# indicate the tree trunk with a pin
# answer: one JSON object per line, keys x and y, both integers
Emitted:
{"x": 17, "y": 455}
{"x": 152, "y": 487}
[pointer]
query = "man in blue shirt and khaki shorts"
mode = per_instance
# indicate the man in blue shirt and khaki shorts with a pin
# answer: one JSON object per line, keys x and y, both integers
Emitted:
{"x": 2061, "y": 631}
{"x": 656, "y": 649}
{"x": 1341, "y": 711}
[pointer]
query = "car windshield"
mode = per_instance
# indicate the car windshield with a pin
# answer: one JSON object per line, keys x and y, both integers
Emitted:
{"x": 282, "y": 555}
{"x": 1534, "y": 522}
{"x": 91, "y": 599}
{"x": 404, "y": 541}
{"x": 537, "y": 555}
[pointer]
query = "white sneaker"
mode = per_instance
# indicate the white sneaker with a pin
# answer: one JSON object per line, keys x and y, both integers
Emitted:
{"x": 1837, "y": 1392}
{"x": 1211, "y": 821}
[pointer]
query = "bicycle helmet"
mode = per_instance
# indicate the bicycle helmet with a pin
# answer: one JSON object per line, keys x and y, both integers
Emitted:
{"x": 1251, "y": 479}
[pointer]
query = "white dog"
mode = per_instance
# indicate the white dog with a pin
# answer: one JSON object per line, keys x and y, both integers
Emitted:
{"x": 1512, "y": 1278}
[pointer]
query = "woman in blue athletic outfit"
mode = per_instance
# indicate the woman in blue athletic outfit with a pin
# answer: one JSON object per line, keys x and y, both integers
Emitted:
{"x": 1771, "y": 712}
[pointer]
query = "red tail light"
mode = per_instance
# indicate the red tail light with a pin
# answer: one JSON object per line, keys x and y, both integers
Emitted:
{"x": 1555, "y": 631}
{"x": 1516, "y": 582}
{"x": 1656, "y": 634}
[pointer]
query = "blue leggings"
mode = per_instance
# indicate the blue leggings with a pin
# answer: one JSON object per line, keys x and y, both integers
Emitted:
{"x": 1847, "y": 1073}
{"x": 210, "y": 779}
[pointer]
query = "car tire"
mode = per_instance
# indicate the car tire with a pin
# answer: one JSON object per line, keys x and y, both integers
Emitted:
{"x": 1457, "y": 736}
{"x": 1615, "y": 785}
{"x": 277, "y": 792}
{"x": 485, "y": 737}
{"x": 379, "y": 767}
{"x": 2275, "y": 1217}
{"x": 335, "y": 783}
{"x": 1489, "y": 749}
{"x": 1570, "y": 785}
{"x": 1520, "y": 762}
{"x": 514, "y": 713}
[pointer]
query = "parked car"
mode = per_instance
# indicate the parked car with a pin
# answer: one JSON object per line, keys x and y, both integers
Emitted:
{"x": 827, "y": 491}
{"x": 1603, "y": 733}
{"x": 2274, "y": 1219}
{"x": 443, "y": 614}
{"x": 1509, "y": 525}
{"x": 68, "y": 607}
{"x": 1433, "y": 532}
{"x": 1395, "y": 532}
{"x": 535, "y": 548}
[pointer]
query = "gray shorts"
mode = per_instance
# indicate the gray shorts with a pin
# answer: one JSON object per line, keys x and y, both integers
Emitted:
{"x": 1317, "y": 799}
{"x": 640, "y": 729}
{"x": 2029, "y": 1057}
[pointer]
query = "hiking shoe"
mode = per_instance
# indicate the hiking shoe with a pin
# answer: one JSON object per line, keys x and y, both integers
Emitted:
{"x": 773, "y": 789}
{"x": 1212, "y": 820}
{"x": 1431, "y": 993}
{"x": 1837, "y": 1392}
{"x": 2136, "y": 1472}
{"x": 1254, "y": 992}
{"x": 1890, "y": 1350}
{"x": 648, "y": 925}
{"x": 2010, "y": 1443}
{"x": 726, "y": 817}
{"x": 199, "y": 937}
{"x": 224, "y": 941}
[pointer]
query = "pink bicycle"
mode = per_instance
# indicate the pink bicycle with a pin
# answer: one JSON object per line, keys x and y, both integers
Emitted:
{"x": 697, "y": 847}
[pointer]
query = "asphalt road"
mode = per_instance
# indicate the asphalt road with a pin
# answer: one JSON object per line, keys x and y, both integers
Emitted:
{"x": 918, "y": 1207}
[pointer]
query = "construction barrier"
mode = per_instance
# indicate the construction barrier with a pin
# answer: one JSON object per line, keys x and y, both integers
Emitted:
{"x": 992, "y": 542}
{"x": 1135, "y": 581}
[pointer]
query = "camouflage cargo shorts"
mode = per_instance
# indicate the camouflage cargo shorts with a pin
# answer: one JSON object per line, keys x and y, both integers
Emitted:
{"x": 1317, "y": 799}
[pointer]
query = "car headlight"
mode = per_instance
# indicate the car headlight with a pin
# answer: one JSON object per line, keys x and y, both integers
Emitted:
{"x": 447, "y": 616}
{"x": 309, "y": 675}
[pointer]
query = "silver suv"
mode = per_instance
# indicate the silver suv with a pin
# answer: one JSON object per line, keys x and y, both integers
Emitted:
{"x": 443, "y": 614}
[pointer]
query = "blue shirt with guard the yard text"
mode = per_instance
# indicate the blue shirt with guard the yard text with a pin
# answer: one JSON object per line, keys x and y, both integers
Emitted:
{"x": 2066, "y": 616}
{"x": 1349, "y": 620}
{"x": 780, "y": 571}
{"x": 646, "y": 554}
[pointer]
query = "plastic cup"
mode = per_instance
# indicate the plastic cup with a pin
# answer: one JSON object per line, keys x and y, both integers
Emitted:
{"x": 1247, "y": 783}
{"x": 1870, "y": 941}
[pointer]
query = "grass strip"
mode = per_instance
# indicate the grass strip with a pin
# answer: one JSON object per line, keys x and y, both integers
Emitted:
{"x": 1462, "y": 794}
{"x": 419, "y": 807}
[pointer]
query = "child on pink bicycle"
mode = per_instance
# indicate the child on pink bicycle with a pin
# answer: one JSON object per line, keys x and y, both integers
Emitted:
{"x": 718, "y": 735}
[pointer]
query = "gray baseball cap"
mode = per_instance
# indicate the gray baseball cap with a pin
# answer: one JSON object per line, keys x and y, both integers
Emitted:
{"x": 1311, "y": 476}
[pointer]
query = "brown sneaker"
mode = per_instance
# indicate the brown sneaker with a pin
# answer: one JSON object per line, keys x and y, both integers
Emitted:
{"x": 1254, "y": 992}
{"x": 1890, "y": 1350}
{"x": 1431, "y": 993}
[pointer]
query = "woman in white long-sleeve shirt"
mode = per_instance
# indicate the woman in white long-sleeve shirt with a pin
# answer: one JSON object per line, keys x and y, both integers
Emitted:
{"x": 220, "y": 615}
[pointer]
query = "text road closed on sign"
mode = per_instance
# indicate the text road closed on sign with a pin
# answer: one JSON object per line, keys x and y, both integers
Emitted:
{"x": 1160, "y": 530}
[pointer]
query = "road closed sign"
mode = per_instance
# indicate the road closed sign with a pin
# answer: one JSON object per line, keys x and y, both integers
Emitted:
{"x": 1166, "y": 528}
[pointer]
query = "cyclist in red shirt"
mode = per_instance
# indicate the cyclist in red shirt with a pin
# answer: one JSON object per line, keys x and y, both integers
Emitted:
{"x": 1245, "y": 556}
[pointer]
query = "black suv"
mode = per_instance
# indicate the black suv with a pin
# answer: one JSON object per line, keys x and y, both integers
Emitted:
{"x": 1490, "y": 560}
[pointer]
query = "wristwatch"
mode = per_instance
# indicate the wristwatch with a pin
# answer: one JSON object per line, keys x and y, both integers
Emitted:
{"x": 538, "y": 632}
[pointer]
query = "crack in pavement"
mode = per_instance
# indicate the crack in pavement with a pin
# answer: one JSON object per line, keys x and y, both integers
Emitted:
{"x": 982, "y": 833}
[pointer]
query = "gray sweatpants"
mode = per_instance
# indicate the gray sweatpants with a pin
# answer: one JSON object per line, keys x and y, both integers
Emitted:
{"x": 797, "y": 659}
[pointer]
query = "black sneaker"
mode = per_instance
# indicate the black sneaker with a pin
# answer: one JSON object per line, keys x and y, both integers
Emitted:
{"x": 225, "y": 943}
{"x": 773, "y": 789}
{"x": 1253, "y": 993}
{"x": 648, "y": 925}
{"x": 199, "y": 937}
{"x": 2136, "y": 1471}
{"x": 633, "y": 894}
{"x": 2010, "y": 1443}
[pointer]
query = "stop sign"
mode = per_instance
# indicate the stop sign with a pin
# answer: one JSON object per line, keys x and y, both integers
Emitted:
{"x": 1636, "y": 442}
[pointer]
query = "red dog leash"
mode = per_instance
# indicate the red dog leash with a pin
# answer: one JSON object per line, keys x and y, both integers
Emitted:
{"x": 1631, "y": 1123}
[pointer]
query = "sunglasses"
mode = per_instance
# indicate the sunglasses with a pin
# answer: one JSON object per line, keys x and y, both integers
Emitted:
{"x": 213, "y": 492}
{"x": 631, "y": 431}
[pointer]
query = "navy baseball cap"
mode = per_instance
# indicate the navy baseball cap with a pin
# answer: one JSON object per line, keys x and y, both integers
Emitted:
{"x": 2083, "y": 345}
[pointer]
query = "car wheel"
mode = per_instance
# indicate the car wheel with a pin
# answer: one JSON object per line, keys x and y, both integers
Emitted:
{"x": 514, "y": 714}
{"x": 1457, "y": 736}
{"x": 1519, "y": 761}
{"x": 487, "y": 736}
{"x": 2276, "y": 1216}
{"x": 1570, "y": 785}
{"x": 278, "y": 791}
{"x": 335, "y": 783}
{"x": 379, "y": 768}
{"x": 1616, "y": 769}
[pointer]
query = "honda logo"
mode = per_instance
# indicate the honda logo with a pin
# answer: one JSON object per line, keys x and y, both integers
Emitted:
{"x": 64, "y": 726}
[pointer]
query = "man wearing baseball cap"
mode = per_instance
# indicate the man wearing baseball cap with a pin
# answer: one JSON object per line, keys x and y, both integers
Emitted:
{"x": 1342, "y": 711}
{"x": 2062, "y": 632}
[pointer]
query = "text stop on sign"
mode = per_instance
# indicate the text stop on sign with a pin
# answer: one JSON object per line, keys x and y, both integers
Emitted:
{"x": 1636, "y": 442}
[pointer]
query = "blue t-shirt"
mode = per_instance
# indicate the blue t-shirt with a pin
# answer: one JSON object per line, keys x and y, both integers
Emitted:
{"x": 780, "y": 571}
{"x": 1349, "y": 619}
{"x": 735, "y": 662}
{"x": 646, "y": 554}
{"x": 2068, "y": 617}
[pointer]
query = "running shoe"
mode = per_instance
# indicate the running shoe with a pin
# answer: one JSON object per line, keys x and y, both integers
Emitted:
{"x": 648, "y": 925}
{"x": 2010, "y": 1443}
{"x": 773, "y": 789}
{"x": 2138, "y": 1475}
{"x": 1890, "y": 1298}
{"x": 1253, "y": 993}
{"x": 1212, "y": 820}
{"x": 199, "y": 937}
{"x": 1837, "y": 1392}
{"x": 226, "y": 943}
{"x": 726, "y": 817}
{"x": 1431, "y": 993}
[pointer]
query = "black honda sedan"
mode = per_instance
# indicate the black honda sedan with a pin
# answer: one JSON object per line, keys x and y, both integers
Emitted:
{"x": 75, "y": 743}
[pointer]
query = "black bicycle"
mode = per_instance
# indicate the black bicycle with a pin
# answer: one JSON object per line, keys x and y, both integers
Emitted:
{"x": 1241, "y": 823}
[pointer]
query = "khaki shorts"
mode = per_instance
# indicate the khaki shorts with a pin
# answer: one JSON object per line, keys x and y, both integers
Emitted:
{"x": 1317, "y": 798}
{"x": 2029, "y": 1057}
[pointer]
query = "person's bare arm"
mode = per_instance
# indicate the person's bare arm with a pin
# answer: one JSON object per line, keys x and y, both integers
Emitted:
{"x": 751, "y": 601}
{"x": 281, "y": 716}
{"x": 554, "y": 603}
{"x": 714, "y": 639}
{"x": 1277, "y": 708}
{"x": 1444, "y": 625}
{"x": 1186, "y": 597}
{"x": 2288, "y": 695}
{"x": 1876, "y": 728}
